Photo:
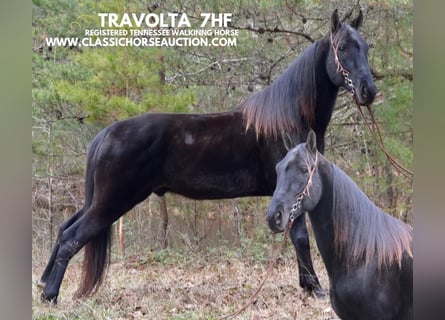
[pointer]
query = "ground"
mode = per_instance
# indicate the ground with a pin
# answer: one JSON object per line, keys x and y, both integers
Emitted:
{"x": 169, "y": 285}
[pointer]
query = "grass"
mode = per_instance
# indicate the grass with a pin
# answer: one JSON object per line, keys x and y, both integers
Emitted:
{"x": 173, "y": 285}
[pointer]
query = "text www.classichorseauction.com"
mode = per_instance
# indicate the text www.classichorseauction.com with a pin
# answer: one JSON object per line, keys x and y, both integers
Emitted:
{"x": 154, "y": 30}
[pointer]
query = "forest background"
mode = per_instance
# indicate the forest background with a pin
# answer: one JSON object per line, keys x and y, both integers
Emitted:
{"x": 77, "y": 91}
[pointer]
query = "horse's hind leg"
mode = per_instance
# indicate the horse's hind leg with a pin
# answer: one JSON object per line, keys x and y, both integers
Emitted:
{"x": 73, "y": 235}
{"x": 66, "y": 224}
{"x": 300, "y": 239}
{"x": 91, "y": 228}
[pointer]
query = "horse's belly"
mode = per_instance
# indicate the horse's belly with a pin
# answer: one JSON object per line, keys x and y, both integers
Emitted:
{"x": 230, "y": 184}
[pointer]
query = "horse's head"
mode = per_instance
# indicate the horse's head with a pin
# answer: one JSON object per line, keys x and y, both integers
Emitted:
{"x": 298, "y": 185}
{"x": 347, "y": 61}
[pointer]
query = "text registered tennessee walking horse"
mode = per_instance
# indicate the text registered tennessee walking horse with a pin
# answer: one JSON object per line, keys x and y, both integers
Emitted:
{"x": 210, "y": 156}
{"x": 367, "y": 252}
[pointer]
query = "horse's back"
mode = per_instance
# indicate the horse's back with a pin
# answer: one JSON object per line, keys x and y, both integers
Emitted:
{"x": 139, "y": 130}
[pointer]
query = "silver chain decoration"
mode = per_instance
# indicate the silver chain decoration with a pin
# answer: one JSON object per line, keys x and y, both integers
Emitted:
{"x": 348, "y": 81}
{"x": 295, "y": 207}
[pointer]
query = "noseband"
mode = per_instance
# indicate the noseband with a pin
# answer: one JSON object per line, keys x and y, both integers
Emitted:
{"x": 305, "y": 193}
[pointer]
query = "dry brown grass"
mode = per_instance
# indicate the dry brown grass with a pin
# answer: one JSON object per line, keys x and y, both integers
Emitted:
{"x": 195, "y": 288}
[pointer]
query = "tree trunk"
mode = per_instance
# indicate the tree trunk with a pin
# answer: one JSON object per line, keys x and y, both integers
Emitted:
{"x": 163, "y": 226}
{"x": 122, "y": 236}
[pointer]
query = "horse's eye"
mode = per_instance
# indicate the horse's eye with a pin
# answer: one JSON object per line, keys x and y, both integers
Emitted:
{"x": 341, "y": 47}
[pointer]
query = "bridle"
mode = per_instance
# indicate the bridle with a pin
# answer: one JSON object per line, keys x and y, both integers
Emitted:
{"x": 304, "y": 193}
{"x": 376, "y": 130}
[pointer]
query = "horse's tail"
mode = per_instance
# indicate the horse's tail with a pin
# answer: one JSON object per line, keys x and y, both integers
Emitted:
{"x": 97, "y": 250}
{"x": 96, "y": 261}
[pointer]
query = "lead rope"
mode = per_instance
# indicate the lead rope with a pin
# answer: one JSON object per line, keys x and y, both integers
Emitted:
{"x": 404, "y": 171}
{"x": 266, "y": 275}
{"x": 295, "y": 207}
{"x": 375, "y": 130}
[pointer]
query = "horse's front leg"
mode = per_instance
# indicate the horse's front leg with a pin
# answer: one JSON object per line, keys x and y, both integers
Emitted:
{"x": 300, "y": 238}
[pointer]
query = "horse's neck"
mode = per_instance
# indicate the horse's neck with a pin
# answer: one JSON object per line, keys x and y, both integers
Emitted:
{"x": 321, "y": 218}
{"x": 326, "y": 96}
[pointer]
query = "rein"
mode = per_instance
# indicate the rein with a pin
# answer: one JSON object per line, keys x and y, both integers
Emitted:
{"x": 375, "y": 129}
{"x": 295, "y": 207}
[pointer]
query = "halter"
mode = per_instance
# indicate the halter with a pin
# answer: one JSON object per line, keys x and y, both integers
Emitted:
{"x": 348, "y": 81}
{"x": 305, "y": 193}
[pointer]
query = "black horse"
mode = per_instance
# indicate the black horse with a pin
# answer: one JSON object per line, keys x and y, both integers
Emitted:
{"x": 210, "y": 156}
{"x": 367, "y": 252}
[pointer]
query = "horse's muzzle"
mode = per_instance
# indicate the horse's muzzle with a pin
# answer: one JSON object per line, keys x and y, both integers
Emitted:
{"x": 275, "y": 218}
{"x": 366, "y": 93}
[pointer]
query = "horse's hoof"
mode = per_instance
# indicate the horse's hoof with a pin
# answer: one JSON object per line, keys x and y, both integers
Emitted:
{"x": 316, "y": 291}
{"x": 46, "y": 299}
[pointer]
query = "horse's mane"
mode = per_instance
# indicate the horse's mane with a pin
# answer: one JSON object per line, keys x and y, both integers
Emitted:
{"x": 290, "y": 99}
{"x": 362, "y": 230}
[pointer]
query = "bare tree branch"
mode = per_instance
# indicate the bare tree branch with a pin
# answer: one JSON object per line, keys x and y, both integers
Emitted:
{"x": 262, "y": 30}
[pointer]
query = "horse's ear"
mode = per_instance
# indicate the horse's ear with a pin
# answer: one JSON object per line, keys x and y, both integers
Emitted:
{"x": 335, "y": 21}
{"x": 311, "y": 142}
{"x": 288, "y": 141}
{"x": 357, "y": 22}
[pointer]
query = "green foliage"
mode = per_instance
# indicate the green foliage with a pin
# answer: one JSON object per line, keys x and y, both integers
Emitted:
{"x": 94, "y": 86}
{"x": 108, "y": 83}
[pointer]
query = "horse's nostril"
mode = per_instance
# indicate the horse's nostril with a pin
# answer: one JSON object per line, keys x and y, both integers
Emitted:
{"x": 278, "y": 217}
{"x": 364, "y": 92}
{"x": 367, "y": 93}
